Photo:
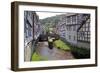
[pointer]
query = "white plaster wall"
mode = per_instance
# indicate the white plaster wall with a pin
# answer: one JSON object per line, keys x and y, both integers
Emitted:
{"x": 72, "y": 34}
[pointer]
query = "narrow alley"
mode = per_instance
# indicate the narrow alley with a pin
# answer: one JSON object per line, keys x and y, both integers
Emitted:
{"x": 62, "y": 36}
{"x": 54, "y": 54}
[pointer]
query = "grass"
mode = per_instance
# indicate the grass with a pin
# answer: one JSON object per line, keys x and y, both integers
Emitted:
{"x": 61, "y": 45}
{"x": 37, "y": 57}
{"x": 78, "y": 52}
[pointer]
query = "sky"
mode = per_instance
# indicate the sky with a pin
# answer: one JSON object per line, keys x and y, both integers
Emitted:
{"x": 43, "y": 15}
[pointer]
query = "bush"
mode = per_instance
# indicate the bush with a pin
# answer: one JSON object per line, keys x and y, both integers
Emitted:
{"x": 80, "y": 52}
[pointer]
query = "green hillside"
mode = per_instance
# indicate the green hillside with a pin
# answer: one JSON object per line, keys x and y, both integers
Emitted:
{"x": 51, "y": 21}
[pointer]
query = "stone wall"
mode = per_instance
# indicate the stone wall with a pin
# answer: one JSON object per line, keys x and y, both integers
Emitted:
{"x": 28, "y": 52}
{"x": 84, "y": 45}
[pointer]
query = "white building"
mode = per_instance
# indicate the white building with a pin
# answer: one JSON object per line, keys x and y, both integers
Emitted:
{"x": 61, "y": 27}
{"x": 70, "y": 28}
{"x": 32, "y": 30}
{"x": 83, "y": 32}
{"x": 73, "y": 22}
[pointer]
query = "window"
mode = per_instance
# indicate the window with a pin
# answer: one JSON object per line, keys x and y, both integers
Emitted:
{"x": 68, "y": 19}
{"x": 73, "y": 19}
{"x": 70, "y": 28}
{"x": 74, "y": 37}
{"x": 30, "y": 32}
{"x": 69, "y": 37}
{"x": 74, "y": 28}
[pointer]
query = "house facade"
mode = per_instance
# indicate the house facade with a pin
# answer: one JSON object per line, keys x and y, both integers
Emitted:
{"x": 71, "y": 28}
{"x": 73, "y": 22}
{"x": 83, "y": 32}
{"x": 32, "y": 30}
{"x": 61, "y": 27}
